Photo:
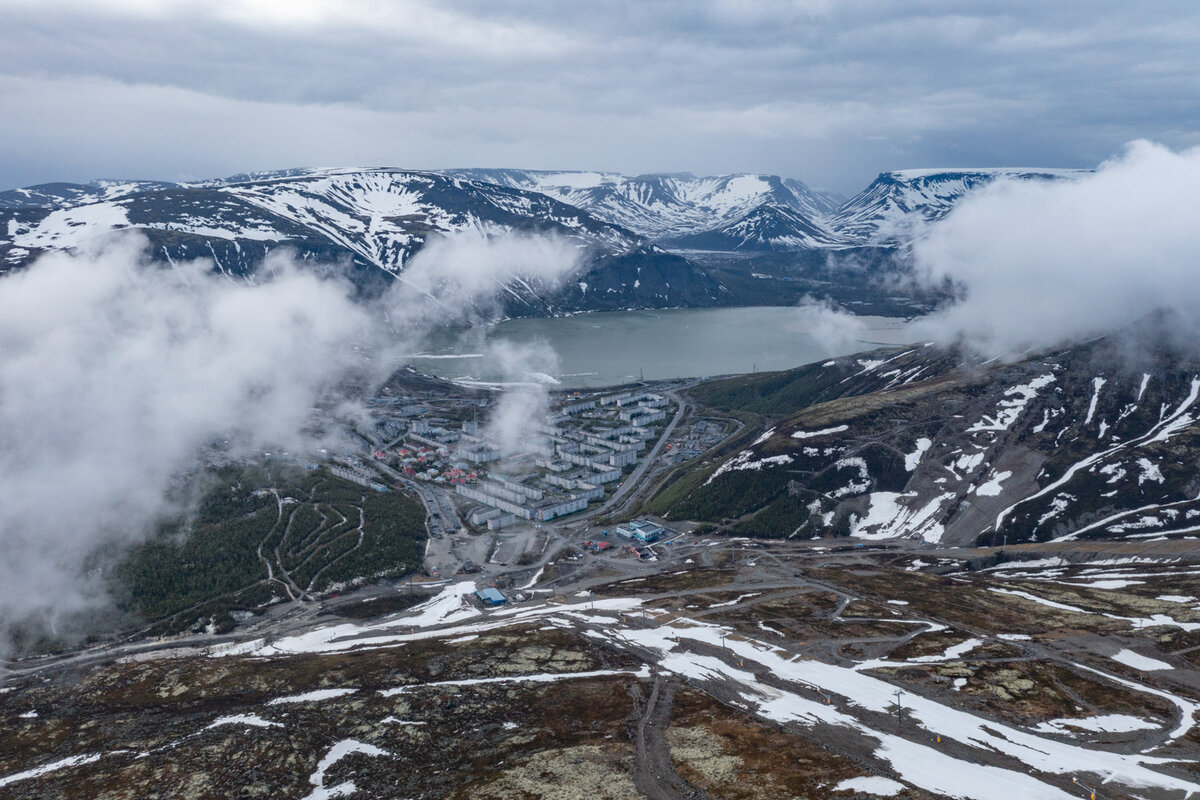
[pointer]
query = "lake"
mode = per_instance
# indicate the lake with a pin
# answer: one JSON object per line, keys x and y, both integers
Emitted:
{"x": 613, "y": 347}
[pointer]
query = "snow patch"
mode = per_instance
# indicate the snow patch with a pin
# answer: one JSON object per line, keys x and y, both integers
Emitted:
{"x": 911, "y": 460}
{"x": 311, "y": 697}
{"x": 889, "y": 516}
{"x": 1150, "y": 472}
{"x": 1104, "y": 723}
{"x": 1140, "y": 662}
{"x": 1097, "y": 385}
{"x": 822, "y": 432}
{"x": 336, "y": 753}
{"x": 1008, "y": 410}
{"x": 992, "y": 487}
{"x": 871, "y": 784}
{"x": 54, "y": 766}
{"x": 252, "y": 720}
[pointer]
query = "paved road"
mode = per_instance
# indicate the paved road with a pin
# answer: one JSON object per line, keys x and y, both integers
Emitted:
{"x": 635, "y": 477}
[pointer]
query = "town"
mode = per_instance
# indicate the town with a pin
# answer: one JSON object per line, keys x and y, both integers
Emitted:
{"x": 447, "y": 448}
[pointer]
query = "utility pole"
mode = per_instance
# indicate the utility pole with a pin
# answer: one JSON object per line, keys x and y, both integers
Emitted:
{"x": 899, "y": 708}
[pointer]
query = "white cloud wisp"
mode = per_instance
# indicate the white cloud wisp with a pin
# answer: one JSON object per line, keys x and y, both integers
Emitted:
{"x": 1048, "y": 263}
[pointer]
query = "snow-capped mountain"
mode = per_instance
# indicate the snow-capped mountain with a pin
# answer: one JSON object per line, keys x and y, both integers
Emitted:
{"x": 382, "y": 216}
{"x": 765, "y": 227}
{"x": 378, "y": 218}
{"x": 665, "y": 206}
{"x": 62, "y": 195}
{"x": 897, "y": 204}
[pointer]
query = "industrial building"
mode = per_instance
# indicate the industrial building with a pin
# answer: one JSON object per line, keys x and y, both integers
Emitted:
{"x": 642, "y": 530}
{"x": 491, "y": 597}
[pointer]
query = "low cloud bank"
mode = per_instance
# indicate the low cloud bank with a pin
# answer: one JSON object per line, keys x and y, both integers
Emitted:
{"x": 117, "y": 373}
{"x": 463, "y": 278}
{"x": 1046, "y": 263}
{"x": 514, "y": 424}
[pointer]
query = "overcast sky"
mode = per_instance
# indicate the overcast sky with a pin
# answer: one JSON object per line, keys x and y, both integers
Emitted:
{"x": 828, "y": 92}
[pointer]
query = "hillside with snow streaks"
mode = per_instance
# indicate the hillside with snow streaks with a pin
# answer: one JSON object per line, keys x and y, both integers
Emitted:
{"x": 897, "y": 204}
{"x": 385, "y": 216}
{"x": 766, "y": 227}
{"x": 960, "y": 453}
{"x": 382, "y": 216}
{"x": 367, "y": 223}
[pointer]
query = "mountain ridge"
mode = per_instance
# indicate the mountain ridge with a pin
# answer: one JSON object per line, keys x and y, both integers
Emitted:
{"x": 897, "y": 204}
{"x": 373, "y": 222}
{"x": 665, "y": 205}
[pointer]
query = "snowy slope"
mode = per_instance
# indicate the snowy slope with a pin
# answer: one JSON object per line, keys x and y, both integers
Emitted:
{"x": 65, "y": 195}
{"x": 382, "y": 216}
{"x": 896, "y": 204}
{"x": 916, "y": 444}
{"x": 374, "y": 219}
{"x": 765, "y": 227}
{"x": 664, "y": 206}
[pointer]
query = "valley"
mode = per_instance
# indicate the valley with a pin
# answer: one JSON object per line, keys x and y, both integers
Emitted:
{"x": 830, "y": 661}
{"x": 460, "y": 400}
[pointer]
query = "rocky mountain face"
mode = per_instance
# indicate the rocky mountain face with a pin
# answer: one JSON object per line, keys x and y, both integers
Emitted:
{"x": 372, "y": 222}
{"x": 924, "y": 444}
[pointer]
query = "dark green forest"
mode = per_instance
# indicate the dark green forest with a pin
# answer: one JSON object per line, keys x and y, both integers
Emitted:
{"x": 259, "y": 536}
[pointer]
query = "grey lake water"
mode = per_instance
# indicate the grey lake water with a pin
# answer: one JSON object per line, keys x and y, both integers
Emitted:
{"x": 613, "y": 347}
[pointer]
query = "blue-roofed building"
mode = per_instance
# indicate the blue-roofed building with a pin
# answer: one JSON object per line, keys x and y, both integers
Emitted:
{"x": 642, "y": 530}
{"x": 491, "y": 597}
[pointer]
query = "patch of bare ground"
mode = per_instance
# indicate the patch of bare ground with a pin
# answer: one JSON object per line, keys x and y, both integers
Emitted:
{"x": 1178, "y": 642}
{"x": 578, "y": 568}
{"x": 795, "y": 618}
{"x": 861, "y": 608}
{"x": 151, "y": 720}
{"x": 795, "y": 605}
{"x": 585, "y": 772}
{"x": 678, "y": 581}
{"x": 933, "y": 643}
{"x": 378, "y": 606}
{"x": 732, "y": 755}
{"x": 1028, "y": 692}
{"x": 972, "y": 605}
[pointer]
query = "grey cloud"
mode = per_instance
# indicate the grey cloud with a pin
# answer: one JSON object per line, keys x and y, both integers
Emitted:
{"x": 116, "y": 375}
{"x": 828, "y": 92}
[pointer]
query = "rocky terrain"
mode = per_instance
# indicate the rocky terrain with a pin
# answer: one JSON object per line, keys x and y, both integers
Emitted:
{"x": 845, "y": 656}
{"x": 923, "y": 443}
{"x": 725, "y": 669}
